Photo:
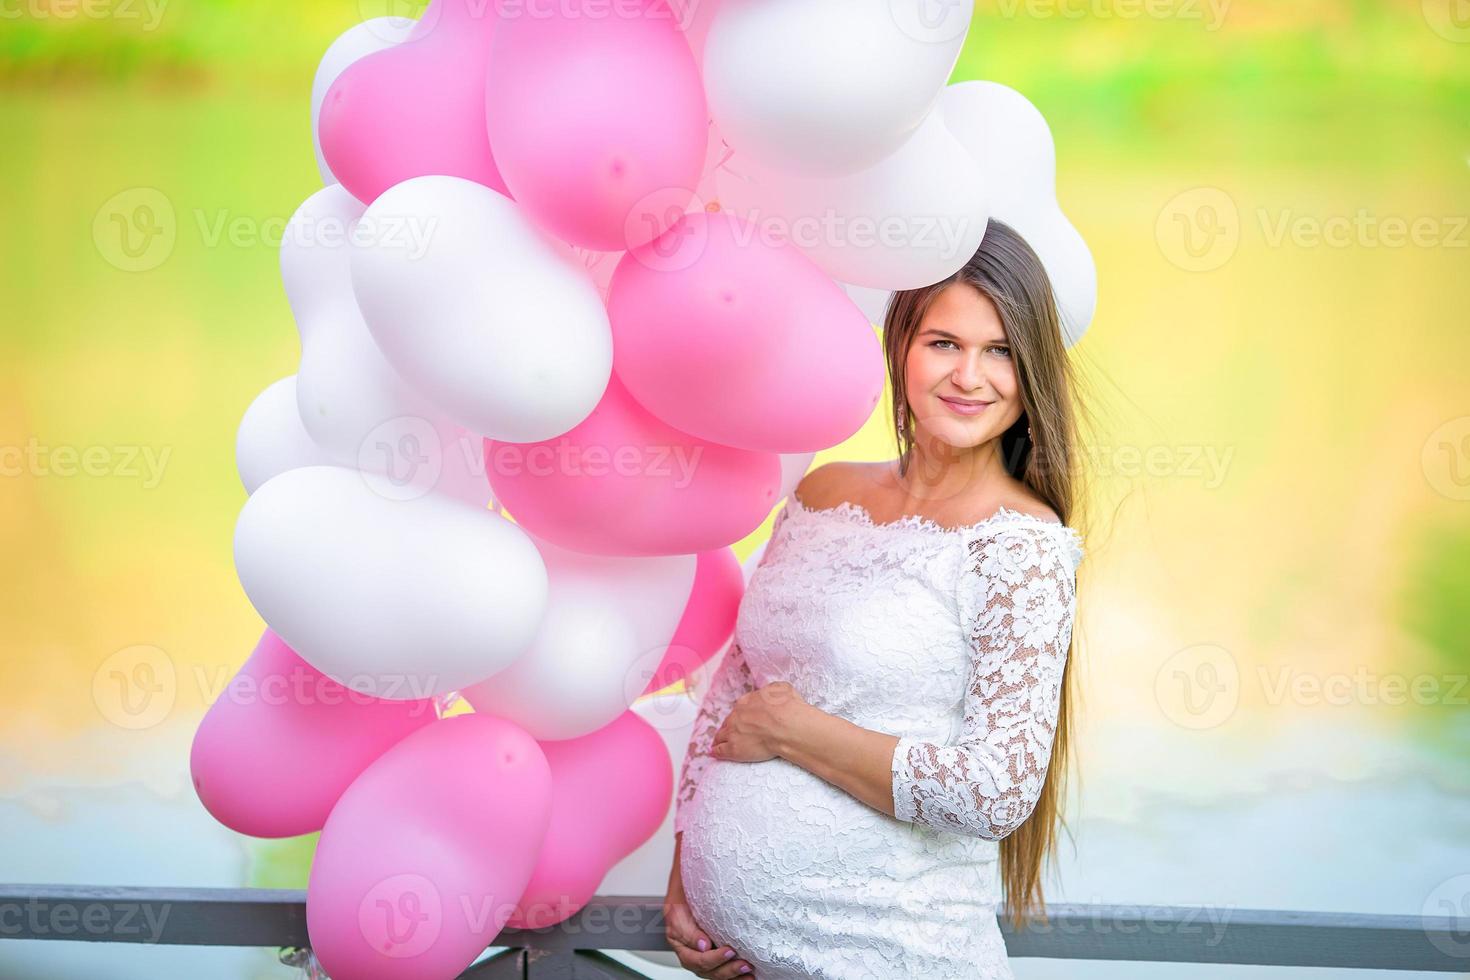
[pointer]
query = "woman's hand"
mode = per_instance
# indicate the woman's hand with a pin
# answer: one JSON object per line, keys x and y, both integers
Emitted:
{"x": 693, "y": 947}
{"x": 758, "y": 724}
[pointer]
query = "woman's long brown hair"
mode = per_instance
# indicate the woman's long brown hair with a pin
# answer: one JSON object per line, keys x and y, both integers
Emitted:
{"x": 1008, "y": 271}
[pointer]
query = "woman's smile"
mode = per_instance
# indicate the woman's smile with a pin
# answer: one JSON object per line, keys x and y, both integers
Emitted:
{"x": 960, "y": 407}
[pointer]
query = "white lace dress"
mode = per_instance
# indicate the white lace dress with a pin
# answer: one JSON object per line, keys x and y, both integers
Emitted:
{"x": 954, "y": 640}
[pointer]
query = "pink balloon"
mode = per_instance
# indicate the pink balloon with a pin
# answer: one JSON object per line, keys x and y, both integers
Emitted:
{"x": 417, "y": 108}
{"x": 624, "y": 483}
{"x": 598, "y": 119}
{"x": 742, "y": 340}
{"x": 708, "y": 620}
{"x": 426, "y": 855}
{"x": 610, "y": 792}
{"x": 695, "y": 17}
{"x": 284, "y": 740}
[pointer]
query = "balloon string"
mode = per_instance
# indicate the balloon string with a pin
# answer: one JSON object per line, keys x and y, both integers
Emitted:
{"x": 305, "y": 960}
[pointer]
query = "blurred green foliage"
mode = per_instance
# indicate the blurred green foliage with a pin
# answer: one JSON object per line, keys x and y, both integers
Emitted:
{"x": 1112, "y": 52}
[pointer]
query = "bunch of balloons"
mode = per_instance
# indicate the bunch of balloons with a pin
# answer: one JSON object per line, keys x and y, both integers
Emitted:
{"x": 581, "y": 299}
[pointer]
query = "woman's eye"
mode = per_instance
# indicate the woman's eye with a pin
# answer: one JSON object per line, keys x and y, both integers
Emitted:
{"x": 938, "y": 342}
{"x": 1005, "y": 351}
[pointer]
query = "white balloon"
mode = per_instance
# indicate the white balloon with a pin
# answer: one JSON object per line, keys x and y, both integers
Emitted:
{"x": 793, "y": 468}
{"x": 352, "y": 401}
{"x": 486, "y": 316}
{"x": 271, "y": 438}
{"x": 828, "y": 87}
{"x": 694, "y": 18}
{"x": 398, "y": 599}
{"x": 911, "y": 220}
{"x": 1009, "y": 138}
{"x": 873, "y": 302}
{"x": 608, "y": 622}
{"x": 356, "y": 43}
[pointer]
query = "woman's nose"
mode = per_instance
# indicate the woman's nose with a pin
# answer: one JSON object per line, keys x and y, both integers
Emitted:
{"x": 967, "y": 375}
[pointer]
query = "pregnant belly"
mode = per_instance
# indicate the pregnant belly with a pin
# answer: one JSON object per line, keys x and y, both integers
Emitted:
{"x": 768, "y": 843}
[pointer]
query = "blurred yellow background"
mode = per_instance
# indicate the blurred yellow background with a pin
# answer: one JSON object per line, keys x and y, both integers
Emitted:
{"x": 1275, "y": 600}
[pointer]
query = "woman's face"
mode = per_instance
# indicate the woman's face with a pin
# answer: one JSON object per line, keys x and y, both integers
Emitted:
{"x": 960, "y": 356}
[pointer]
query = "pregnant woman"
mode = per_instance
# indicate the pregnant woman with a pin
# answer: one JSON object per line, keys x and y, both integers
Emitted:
{"x": 876, "y": 765}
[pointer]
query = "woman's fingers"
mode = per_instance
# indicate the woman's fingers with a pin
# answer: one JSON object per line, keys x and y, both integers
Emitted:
{"x": 719, "y": 962}
{"x": 680, "y": 924}
{"x": 685, "y": 937}
{"x": 735, "y": 968}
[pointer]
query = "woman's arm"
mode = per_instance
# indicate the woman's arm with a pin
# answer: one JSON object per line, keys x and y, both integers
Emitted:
{"x": 1018, "y": 600}
{"x": 985, "y": 784}
{"x": 849, "y": 757}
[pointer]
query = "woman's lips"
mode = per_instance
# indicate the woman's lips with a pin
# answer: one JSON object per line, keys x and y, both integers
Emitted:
{"x": 961, "y": 408}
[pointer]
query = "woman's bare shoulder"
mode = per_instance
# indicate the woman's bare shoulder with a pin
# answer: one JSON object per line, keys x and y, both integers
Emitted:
{"x": 1028, "y": 503}
{"x": 835, "y": 482}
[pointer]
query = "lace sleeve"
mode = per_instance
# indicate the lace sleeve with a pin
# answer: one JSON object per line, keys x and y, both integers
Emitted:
{"x": 1017, "y": 600}
{"x": 732, "y": 680}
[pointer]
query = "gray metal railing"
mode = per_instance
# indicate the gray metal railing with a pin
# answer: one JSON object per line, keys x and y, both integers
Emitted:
{"x": 572, "y": 950}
